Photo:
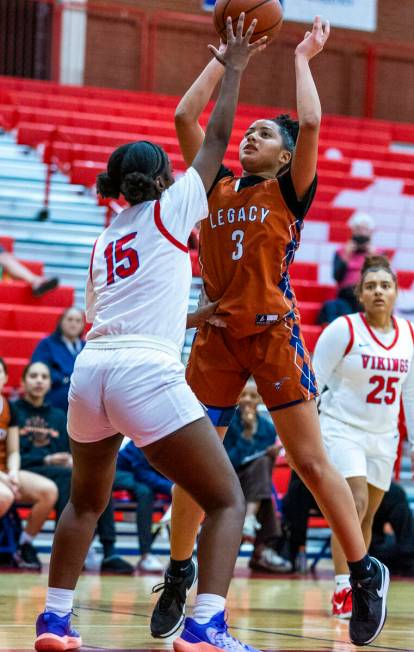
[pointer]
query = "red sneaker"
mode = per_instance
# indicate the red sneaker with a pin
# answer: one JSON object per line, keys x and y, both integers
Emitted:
{"x": 342, "y": 603}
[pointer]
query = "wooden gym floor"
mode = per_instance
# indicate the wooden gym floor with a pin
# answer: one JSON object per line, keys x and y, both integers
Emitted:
{"x": 269, "y": 612}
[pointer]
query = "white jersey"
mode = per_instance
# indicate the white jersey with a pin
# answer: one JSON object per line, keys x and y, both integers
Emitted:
{"x": 365, "y": 372}
{"x": 140, "y": 271}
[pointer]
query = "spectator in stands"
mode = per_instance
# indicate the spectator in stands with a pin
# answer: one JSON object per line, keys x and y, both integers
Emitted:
{"x": 137, "y": 476}
{"x": 59, "y": 351}
{"x": 39, "y": 284}
{"x": 44, "y": 449}
{"x": 347, "y": 265}
{"x": 251, "y": 444}
{"x": 22, "y": 486}
{"x": 395, "y": 548}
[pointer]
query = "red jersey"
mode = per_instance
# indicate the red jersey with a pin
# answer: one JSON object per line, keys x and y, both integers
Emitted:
{"x": 246, "y": 247}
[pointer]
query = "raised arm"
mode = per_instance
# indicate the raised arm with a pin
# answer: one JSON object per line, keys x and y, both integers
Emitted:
{"x": 235, "y": 59}
{"x": 189, "y": 131}
{"x": 309, "y": 110}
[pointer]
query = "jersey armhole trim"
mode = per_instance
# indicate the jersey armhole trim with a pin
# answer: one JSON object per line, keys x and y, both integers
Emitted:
{"x": 162, "y": 229}
{"x": 351, "y": 335}
{"x": 410, "y": 326}
{"x": 91, "y": 261}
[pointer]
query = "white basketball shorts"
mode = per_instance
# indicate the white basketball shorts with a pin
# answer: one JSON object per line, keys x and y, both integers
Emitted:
{"x": 139, "y": 392}
{"x": 357, "y": 453}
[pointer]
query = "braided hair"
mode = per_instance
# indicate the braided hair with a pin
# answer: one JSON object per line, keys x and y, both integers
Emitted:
{"x": 289, "y": 130}
{"x": 132, "y": 170}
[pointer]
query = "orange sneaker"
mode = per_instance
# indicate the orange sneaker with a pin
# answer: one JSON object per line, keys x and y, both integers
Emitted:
{"x": 342, "y": 603}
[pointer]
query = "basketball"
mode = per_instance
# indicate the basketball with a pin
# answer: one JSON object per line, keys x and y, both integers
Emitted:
{"x": 268, "y": 13}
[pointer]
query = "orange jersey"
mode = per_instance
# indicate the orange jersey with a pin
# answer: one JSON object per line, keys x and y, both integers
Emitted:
{"x": 246, "y": 246}
{"x": 5, "y": 422}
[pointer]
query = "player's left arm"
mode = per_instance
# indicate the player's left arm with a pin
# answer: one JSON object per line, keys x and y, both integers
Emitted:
{"x": 408, "y": 402}
{"x": 329, "y": 351}
{"x": 305, "y": 157}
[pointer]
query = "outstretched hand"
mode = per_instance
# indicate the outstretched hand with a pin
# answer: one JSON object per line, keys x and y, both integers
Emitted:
{"x": 238, "y": 50}
{"x": 314, "y": 41}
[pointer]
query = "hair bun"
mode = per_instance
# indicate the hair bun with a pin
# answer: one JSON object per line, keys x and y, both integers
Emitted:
{"x": 106, "y": 186}
{"x": 137, "y": 187}
{"x": 376, "y": 261}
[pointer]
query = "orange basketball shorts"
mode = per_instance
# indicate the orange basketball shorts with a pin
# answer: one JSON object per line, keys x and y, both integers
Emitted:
{"x": 277, "y": 359}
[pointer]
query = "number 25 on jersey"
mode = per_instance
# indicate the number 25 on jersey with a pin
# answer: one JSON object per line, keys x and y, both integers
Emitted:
{"x": 121, "y": 261}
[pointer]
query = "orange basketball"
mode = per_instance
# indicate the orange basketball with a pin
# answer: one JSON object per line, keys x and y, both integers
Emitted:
{"x": 269, "y": 15}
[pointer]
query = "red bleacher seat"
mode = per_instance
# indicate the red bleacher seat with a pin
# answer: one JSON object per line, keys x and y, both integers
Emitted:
{"x": 22, "y": 343}
{"x": 38, "y": 319}
{"x": 6, "y": 243}
{"x": 19, "y": 293}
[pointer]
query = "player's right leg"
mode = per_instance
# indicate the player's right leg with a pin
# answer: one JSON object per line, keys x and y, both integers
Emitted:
{"x": 215, "y": 376}
{"x": 194, "y": 458}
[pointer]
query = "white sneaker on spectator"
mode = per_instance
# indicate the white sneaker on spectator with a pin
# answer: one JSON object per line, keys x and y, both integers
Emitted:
{"x": 150, "y": 564}
{"x": 268, "y": 560}
{"x": 250, "y": 527}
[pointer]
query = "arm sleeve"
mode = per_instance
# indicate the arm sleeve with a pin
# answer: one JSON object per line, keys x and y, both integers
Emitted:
{"x": 183, "y": 205}
{"x": 330, "y": 349}
{"x": 408, "y": 402}
{"x": 299, "y": 207}
{"x": 339, "y": 268}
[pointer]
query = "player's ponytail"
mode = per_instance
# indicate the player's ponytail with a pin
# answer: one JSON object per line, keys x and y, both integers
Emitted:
{"x": 132, "y": 170}
{"x": 375, "y": 264}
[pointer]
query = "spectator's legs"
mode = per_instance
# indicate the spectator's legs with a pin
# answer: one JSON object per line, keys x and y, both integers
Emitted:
{"x": 145, "y": 504}
{"x": 299, "y": 430}
{"x": 6, "y": 499}
{"x": 40, "y": 491}
{"x": 186, "y": 517}
{"x": 62, "y": 477}
{"x": 106, "y": 530}
{"x": 296, "y": 505}
{"x": 18, "y": 271}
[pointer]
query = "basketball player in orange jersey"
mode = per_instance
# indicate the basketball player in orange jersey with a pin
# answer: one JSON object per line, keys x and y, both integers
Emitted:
{"x": 246, "y": 247}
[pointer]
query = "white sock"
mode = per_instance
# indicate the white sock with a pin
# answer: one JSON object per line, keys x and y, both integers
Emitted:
{"x": 25, "y": 538}
{"x": 342, "y": 582}
{"x": 59, "y": 601}
{"x": 206, "y": 606}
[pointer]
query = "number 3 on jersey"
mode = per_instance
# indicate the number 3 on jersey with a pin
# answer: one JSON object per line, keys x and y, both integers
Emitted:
{"x": 237, "y": 237}
{"x": 121, "y": 261}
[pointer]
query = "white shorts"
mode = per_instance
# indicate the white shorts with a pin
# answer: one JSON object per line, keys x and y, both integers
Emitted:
{"x": 356, "y": 453}
{"x": 139, "y": 392}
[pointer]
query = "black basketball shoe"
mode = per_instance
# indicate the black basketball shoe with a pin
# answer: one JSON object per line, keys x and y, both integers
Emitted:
{"x": 369, "y": 605}
{"x": 169, "y": 612}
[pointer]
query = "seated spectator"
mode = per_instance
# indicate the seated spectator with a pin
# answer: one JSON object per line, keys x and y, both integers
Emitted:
{"x": 59, "y": 351}
{"x": 44, "y": 449}
{"x": 21, "y": 486}
{"x": 39, "y": 284}
{"x": 395, "y": 547}
{"x": 296, "y": 506}
{"x": 252, "y": 448}
{"x": 348, "y": 262}
{"x": 136, "y": 475}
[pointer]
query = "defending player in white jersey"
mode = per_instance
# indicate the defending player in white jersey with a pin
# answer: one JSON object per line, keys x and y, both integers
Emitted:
{"x": 129, "y": 378}
{"x": 365, "y": 363}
